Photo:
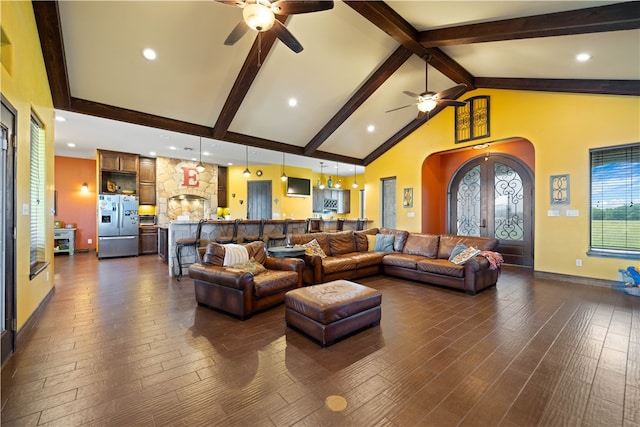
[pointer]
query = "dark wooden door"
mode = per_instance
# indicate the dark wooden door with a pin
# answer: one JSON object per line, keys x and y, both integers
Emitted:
{"x": 493, "y": 197}
{"x": 7, "y": 224}
{"x": 259, "y": 200}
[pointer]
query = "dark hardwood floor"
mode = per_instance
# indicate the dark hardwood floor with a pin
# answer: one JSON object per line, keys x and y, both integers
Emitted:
{"x": 122, "y": 344}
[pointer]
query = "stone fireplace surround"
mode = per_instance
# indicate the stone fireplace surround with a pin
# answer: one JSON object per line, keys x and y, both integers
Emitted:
{"x": 181, "y": 190}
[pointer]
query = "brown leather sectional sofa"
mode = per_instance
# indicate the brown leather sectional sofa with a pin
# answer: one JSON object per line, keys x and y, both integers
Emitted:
{"x": 415, "y": 256}
{"x": 239, "y": 292}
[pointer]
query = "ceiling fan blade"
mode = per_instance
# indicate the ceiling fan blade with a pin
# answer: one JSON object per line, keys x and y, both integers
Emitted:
{"x": 451, "y": 102}
{"x": 292, "y": 7}
{"x": 237, "y": 33}
{"x": 232, "y": 2}
{"x": 411, "y": 94}
{"x": 400, "y": 108}
{"x": 286, "y": 37}
{"x": 453, "y": 92}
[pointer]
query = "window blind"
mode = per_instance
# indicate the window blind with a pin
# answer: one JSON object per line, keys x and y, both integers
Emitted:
{"x": 37, "y": 193}
{"x": 615, "y": 200}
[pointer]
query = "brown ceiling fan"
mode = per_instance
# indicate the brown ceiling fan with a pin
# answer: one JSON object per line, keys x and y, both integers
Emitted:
{"x": 427, "y": 100}
{"x": 260, "y": 16}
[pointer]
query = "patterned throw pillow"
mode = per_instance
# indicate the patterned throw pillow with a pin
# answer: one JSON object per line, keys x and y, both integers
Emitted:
{"x": 251, "y": 266}
{"x": 465, "y": 255}
{"x": 313, "y": 248}
{"x": 459, "y": 247}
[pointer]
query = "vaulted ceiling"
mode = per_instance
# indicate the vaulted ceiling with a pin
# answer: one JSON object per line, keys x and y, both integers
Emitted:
{"x": 358, "y": 58}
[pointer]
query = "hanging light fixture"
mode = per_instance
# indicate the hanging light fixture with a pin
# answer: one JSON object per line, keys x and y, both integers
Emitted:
{"x": 200, "y": 167}
{"x": 283, "y": 177}
{"x": 339, "y": 183}
{"x": 321, "y": 186}
{"x": 355, "y": 180}
{"x": 247, "y": 172}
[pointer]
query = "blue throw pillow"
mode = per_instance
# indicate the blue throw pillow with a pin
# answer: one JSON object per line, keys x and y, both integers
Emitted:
{"x": 459, "y": 247}
{"x": 384, "y": 242}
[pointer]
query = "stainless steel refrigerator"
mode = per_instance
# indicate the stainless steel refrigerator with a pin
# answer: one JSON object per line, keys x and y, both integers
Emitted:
{"x": 117, "y": 226}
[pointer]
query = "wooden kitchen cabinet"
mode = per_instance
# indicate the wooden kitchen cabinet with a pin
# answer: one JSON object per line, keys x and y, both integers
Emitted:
{"x": 118, "y": 162}
{"x": 147, "y": 181}
{"x": 148, "y": 240}
{"x": 163, "y": 244}
{"x": 222, "y": 186}
{"x": 331, "y": 200}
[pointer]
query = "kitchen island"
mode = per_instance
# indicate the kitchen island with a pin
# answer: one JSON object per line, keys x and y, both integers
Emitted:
{"x": 215, "y": 228}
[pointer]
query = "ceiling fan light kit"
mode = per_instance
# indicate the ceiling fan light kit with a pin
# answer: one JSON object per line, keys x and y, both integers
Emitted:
{"x": 258, "y": 17}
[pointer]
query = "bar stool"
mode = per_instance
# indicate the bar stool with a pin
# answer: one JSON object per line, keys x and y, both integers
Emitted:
{"x": 255, "y": 237}
{"x": 277, "y": 237}
{"x": 186, "y": 242}
{"x": 361, "y": 224}
{"x": 234, "y": 234}
{"x": 313, "y": 225}
{"x": 339, "y": 226}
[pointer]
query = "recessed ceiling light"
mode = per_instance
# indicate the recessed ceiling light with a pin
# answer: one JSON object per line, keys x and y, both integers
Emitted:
{"x": 371, "y": 128}
{"x": 293, "y": 102}
{"x": 71, "y": 144}
{"x": 152, "y": 153}
{"x": 60, "y": 119}
{"x": 172, "y": 148}
{"x": 150, "y": 54}
{"x": 229, "y": 164}
{"x": 582, "y": 57}
{"x": 205, "y": 153}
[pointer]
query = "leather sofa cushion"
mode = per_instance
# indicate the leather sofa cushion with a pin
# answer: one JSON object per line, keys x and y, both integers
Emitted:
{"x": 440, "y": 266}
{"x": 361, "y": 238}
{"x": 402, "y": 260}
{"x": 274, "y": 281}
{"x": 339, "y": 263}
{"x": 422, "y": 244}
{"x": 367, "y": 259}
{"x": 214, "y": 254}
{"x": 449, "y": 241}
{"x": 400, "y": 237}
{"x": 341, "y": 242}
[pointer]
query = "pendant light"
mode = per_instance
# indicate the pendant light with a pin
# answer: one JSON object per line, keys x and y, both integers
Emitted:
{"x": 283, "y": 177}
{"x": 339, "y": 183}
{"x": 355, "y": 180}
{"x": 321, "y": 186}
{"x": 200, "y": 167}
{"x": 247, "y": 172}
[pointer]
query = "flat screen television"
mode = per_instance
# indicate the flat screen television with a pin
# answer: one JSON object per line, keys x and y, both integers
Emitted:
{"x": 298, "y": 187}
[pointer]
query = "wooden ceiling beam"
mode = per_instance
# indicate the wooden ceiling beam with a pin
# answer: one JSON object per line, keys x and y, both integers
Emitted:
{"x": 48, "y": 22}
{"x": 389, "y": 21}
{"x": 615, "y": 17}
{"x": 386, "y": 70}
{"x": 248, "y": 73}
{"x": 609, "y": 87}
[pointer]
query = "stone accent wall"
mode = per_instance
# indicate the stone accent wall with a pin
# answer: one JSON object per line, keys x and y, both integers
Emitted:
{"x": 174, "y": 198}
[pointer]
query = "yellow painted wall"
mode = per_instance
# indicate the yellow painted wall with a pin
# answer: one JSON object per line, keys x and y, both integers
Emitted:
{"x": 562, "y": 128}
{"x": 24, "y": 83}
{"x": 286, "y": 207}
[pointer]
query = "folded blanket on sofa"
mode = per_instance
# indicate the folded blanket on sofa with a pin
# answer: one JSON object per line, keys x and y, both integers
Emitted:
{"x": 235, "y": 254}
{"x": 494, "y": 258}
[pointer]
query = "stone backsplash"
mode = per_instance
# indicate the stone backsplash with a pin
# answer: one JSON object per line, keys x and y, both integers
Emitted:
{"x": 182, "y": 190}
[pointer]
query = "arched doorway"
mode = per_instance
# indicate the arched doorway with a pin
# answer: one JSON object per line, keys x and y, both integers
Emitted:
{"x": 493, "y": 196}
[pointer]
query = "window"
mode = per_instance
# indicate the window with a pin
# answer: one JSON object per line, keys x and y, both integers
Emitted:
{"x": 615, "y": 202}
{"x": 37, "y": 198}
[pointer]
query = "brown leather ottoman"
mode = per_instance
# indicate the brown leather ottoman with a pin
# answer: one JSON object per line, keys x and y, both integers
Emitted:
{"x": 332, "y": 310}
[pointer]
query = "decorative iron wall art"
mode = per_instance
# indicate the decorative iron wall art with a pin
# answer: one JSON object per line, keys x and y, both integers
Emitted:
{"x": 559, "y": 188}
{"x": 472, "y": 119}
{"x": 407, "y": 197}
